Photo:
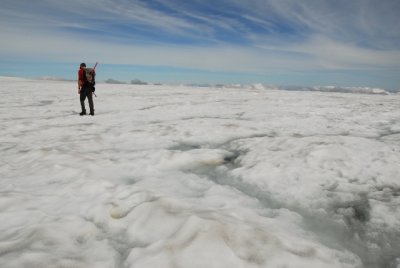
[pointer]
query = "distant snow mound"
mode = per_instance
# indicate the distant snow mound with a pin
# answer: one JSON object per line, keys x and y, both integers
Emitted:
{"x": 256, "y": 86}
{"x": 362, "y": 90}
{"x": 51, "y": 78}
{"x": 236, "y": 86}
{"x": 260, "y": 86}
{"x": 358, "y": 90}
{"x": 12, "y": 78}
{"x": 113, "y": 81}
{"x": 138, "y": 82}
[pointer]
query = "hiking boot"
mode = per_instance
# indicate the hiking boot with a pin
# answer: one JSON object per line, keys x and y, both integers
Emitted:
{"x": 82, "y": 113}
{"x": 92, "y": 114}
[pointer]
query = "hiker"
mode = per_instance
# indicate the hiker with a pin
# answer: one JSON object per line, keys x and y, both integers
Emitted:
{"x": 85, "y": 88}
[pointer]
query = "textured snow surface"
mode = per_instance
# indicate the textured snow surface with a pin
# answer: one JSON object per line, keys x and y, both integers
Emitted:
{"x": 167, "y": 176}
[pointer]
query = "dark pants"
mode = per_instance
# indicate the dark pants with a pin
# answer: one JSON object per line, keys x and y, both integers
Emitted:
{"x": 87, "y": 92}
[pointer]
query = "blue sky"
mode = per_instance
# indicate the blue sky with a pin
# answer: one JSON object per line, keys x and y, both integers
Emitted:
{"x": 282, "y": 42}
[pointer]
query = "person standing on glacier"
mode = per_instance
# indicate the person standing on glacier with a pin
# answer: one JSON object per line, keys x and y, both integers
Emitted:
{"x": 85, "y": 89}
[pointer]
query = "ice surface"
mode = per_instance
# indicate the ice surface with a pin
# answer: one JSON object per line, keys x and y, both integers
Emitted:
{"x": 167, "y": 176}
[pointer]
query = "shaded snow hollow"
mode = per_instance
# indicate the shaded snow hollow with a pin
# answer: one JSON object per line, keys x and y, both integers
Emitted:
{"x": 168, "y": 176}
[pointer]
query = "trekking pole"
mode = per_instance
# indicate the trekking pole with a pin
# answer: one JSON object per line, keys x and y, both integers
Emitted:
{"x": 94, "y": 68}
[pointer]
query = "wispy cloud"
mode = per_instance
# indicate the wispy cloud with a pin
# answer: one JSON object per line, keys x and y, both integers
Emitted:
{"x": 233, "y": 35}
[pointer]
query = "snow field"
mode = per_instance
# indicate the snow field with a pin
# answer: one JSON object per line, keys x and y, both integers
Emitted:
{"x": 166, "y": 176}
